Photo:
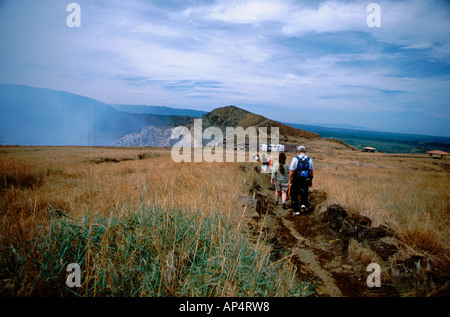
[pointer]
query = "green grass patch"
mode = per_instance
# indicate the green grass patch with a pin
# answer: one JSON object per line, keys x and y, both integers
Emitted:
{"x": 146, "y": 252}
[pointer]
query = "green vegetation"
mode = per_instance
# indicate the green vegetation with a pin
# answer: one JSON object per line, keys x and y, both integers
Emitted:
{"x": 148, "y": 252}
{"x": 383, "y": 141}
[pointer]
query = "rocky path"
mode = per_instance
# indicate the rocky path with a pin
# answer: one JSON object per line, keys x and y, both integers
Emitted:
{"x": 305, "y": 251}
{"x": 319, "y": 250}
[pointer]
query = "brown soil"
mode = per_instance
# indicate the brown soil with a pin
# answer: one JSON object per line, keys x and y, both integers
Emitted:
{"x": 319, "y": 251}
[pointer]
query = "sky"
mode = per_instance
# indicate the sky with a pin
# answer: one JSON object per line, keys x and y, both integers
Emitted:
{"x": 305, "y": 62}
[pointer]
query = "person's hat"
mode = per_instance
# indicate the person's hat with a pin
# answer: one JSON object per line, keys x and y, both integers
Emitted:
{"x": 301, "y": 148}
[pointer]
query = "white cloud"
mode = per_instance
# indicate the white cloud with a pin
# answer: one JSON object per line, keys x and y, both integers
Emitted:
{"x": 403, "y": 22}
{"x": 415, "y": 20}
{"x": 152, "y": 29}
{"x": 320, "y": 55}
{"x": 238, "y": 11}
{"x": 419, "y": 45}
{"x": 330, "y": 16}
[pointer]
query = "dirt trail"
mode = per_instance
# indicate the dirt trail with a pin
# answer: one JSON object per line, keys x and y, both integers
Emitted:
{"x": 317, "y": 249}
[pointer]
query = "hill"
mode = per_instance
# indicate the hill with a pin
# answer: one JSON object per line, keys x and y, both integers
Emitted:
{"x": 223, "y": 117}
{"x": 232, "y": 116}
{"x": 160, "y": 110}
{"x": 38, "y": 116}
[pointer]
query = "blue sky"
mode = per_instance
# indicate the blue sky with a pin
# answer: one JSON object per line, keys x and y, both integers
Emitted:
{"x": 293, "y": 61}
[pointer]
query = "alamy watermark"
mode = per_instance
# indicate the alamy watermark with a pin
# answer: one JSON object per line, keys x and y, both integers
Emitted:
{"x": 374, "y": 279}
{"x": 191, "y": 146}
{"x": 74, "y": 18}
{"x": 74, "y": 278}
{"x": 374, "y": 18}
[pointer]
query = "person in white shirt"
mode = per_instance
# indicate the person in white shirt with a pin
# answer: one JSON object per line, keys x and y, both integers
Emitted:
{"x": 301, "y": 173}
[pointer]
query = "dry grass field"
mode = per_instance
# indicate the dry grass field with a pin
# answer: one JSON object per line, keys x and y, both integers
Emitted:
{"x": 137, "y": 223}
{"x": 409, "y": 193}
{"x": 143, "y": 225}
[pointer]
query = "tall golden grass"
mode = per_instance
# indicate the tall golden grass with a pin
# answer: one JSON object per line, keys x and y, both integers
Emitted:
{"x": 140, "y": 224}
{"x": 415, "y": 201}
{"x": 111, "y": 188}
{"x": 408, "y": 192}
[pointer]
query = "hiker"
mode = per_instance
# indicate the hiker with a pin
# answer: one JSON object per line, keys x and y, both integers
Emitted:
{"x": 280, "y": 178}
{"x": 265, "y": 162}
{"x": 301, "y": 173}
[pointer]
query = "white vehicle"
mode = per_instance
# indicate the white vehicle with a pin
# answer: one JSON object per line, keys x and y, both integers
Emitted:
{"x": 276, "y": 148}
{"x": 272, "y": 147}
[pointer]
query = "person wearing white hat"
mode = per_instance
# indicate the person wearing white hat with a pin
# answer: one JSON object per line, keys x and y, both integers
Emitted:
{"x": 301, "y": 173}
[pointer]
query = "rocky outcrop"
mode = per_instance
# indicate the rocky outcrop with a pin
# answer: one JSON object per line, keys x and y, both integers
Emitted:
{"x": 417, "y": 272}
{"x": 149, "y": 136}
{"x": 354, "y": 225}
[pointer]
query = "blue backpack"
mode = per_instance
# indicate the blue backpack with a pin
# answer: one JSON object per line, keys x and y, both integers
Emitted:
{"x": 302, "y": 170}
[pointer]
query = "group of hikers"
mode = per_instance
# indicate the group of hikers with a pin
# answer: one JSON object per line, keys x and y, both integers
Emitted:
{"x": 293, "y": 180}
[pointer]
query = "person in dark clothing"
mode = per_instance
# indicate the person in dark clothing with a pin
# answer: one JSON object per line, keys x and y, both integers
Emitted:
{"x": 301, "y": 173}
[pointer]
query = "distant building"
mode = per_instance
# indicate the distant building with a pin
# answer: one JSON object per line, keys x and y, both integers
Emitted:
{"x": 437, "y": 152}
{"x": 369, "y": 149}
{"x": 272, "y": 147}
{"x": 276, "y": 147}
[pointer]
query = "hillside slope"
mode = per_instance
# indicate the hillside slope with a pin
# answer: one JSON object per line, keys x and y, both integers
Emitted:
{"x": 160, "y": 110}
{"x": 221, "y": 118}
{"x": 232, "y": 116}
{"x": 38, "y": 116}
